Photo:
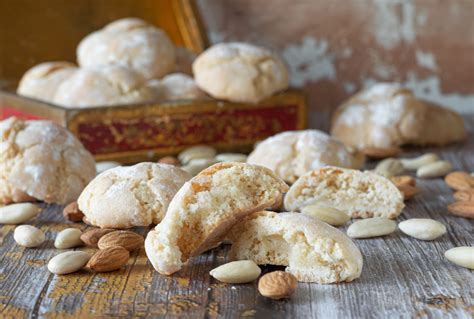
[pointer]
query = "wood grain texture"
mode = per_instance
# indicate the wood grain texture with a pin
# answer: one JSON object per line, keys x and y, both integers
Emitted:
{"x": 402, "y": 277}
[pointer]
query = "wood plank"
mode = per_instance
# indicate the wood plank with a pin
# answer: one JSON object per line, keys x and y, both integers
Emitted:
{"x": 402, "y": 276}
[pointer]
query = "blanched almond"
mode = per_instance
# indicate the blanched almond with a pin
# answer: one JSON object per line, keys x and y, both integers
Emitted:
{"x": 68, "y": 238}
{"x": 329, "y": 215}
{"x": 28, "y": 236}
{"x": 422, "y": 228}
{"x": 417, "y": 162}
{"x": 18, "y": 213}
{"x": 436, "y": 169}
{"x": 68, "y": 262}
{"x": 371, "y": 227}
{"x": 194, "y": 152}
{"x": 389, "y": 167}
{"x": 461, "y": 256}
{"x": 237, "y": 272}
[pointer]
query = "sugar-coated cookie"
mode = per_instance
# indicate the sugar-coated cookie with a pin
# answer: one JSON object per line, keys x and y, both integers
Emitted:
{"x": 128, "y": 196}
{"x": 387, "y": 116}
{"x": 240, "y": 72}
{"x": 130, "y": 42}
{"x": 292, "y": 154}
{"x": 43, "y": 161}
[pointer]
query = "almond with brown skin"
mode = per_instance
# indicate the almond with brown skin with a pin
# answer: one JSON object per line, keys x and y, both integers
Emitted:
{"x": 408, "y": 191}
{"x": 459, "y": 181}
{"x": 91, "y": 237}
{"x": 109, "y": 259}
{"x": 465, "y": 196}
{"x": 123, "y": 238}
{"x": 403, "y": 180}
{"x": 72, "y": 212}
{"x": 171, "y": 160}
{"x": 375, "y": 152}
{"x": 277, "y": 285}
{"x": 463, "y": 209}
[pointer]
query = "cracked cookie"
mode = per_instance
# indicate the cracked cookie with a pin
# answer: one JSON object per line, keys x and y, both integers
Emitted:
{"x": 128, "y": 196}
{"x": 43, "y": 161}
{"x": 240, "y": 72}
{"x": 387, "y": 115}
{"x": 292, "y": 154}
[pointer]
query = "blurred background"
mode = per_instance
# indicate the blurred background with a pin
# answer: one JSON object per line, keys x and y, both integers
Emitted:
{"x": 332, "y": 47}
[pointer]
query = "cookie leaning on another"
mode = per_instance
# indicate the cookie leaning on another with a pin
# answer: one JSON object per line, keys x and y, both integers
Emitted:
{"x": 292, "y": 154}
{"x": 240, "y": 72}
{"x": 206, "y": 207}
{"x": 312, "y": 250}
{"x": 359, "y": 194}
{"x": 387, "y": 116}
{"x": 41, "y": 160}
{"x": 138, "y": 195}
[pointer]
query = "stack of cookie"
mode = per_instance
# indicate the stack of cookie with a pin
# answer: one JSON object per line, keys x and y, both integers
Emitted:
{"x": 132, "y": 62}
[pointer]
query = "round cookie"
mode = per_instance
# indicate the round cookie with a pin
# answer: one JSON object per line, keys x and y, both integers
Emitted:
{"x": 176, "y": 86}
{"x": 292, "y": 154}
{"x": 240, "y": 72}
{"x": 312, "y": 250}
{"x": 132, "y": 43}
{"x": 206, "y": 207}
{"x": 107, "y": 85}
{"x": 124, "y": 197}
{"x": 41, "y": 160}
{"x": 359, "y": 194}
{"x": 41, "y": 81}
{"x": 387, "y": 115}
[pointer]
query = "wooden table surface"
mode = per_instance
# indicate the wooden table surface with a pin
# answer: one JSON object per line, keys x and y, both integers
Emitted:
{"x": 402, "y": 277}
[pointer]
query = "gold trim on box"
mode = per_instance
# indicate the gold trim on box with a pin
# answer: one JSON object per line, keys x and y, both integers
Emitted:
{"x": 189, "y": 24}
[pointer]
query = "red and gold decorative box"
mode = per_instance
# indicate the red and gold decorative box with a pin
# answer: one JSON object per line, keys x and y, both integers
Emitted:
{"x": 145, "y": 132}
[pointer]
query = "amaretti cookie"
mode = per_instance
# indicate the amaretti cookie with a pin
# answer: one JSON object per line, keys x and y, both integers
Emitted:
{"x": 206, "y": 207}
{"x": 132, "y": 43}
{"x": 292, "y": 154}
{"x": 41, "y": 160}
{"x": 387, "y": 116}
{"x": 240, "y": 72}
{"x": 176, "y": 86}
{"x": 42, "y": 81}
{"x": 359, "y": 194}
{"x": 138, "y": 195}
{"x": 103, "y": 86}
{"x": 312, "y": 250}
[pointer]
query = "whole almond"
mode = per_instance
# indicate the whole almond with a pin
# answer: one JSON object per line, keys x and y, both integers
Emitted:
{"x": 463, "y": 209}
{"x": 18, "y": 213}
{"x": 198, "y": 151}
{"x": 461, "y": 256}
{"x": 329, "y": 215}
{"x": 422, "y": 228}
{"x": 408, "y": 191}
{"x": 108, "y": 259}
{"x": 196, "y": 165}
{"x": 231, "y": 157}
{"x": 376, "y": 152}
{"x": 417, "y": 162}
{"x": 105, "y": 165}
{"x": 277, "y": 285}
{"x": 237, "y": 272}
{"x": 28, "y": 236}
{"x": 459, "y": 181}
{"x": 371, "y": 227}
{"x": 68, "y": 238}
{"x": 436, "y": 169}
{"x": 68, "y": 262}
{"x": 91, "y": 237}
{"x": 389, "y": 167}
{"x": 72, "y": 212}
{"x": 122, "y": 238}
{"x": 466, "y": 196}
{"x": 170, "y": 160}
{"x": 403, "y": 180}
